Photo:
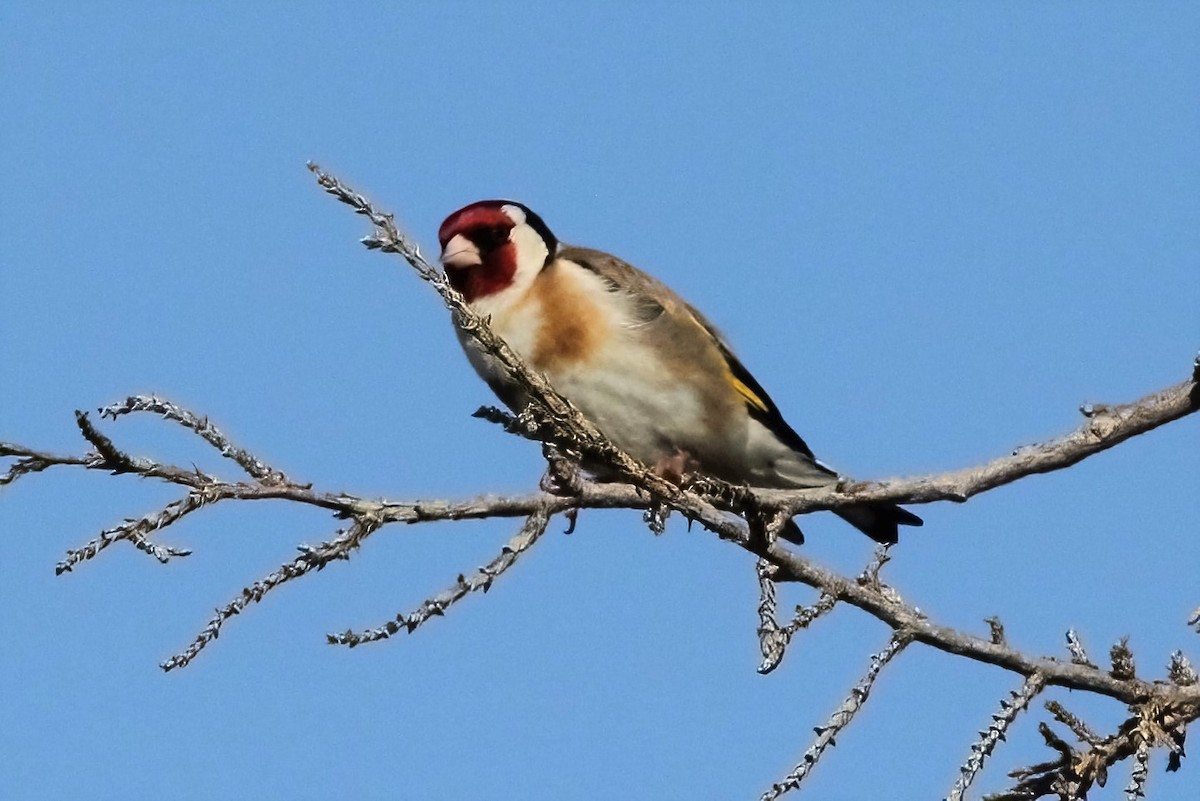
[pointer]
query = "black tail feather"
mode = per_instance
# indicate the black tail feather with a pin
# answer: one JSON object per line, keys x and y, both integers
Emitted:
{"x": 880, "y": 521}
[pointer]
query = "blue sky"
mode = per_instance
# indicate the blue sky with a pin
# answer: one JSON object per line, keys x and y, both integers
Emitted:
{"x": 931, "y": 230}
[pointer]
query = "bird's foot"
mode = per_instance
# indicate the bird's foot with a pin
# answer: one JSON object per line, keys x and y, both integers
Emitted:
{"x": 563, "y": 475}
{"x": 676, "y": 467}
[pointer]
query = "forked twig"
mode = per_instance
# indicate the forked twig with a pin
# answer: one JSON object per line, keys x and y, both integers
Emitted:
{"x": 253, "y": 466}
{"x": 310, "y": 558}
{"x": 532, "y": 530}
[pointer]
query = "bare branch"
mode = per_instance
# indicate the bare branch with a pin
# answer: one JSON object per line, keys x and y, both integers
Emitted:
{"x": 309, "y": 559}
{"x": 839, "y": 719}
{"x": 1073, "y": 773}
{"x": 206, "y": 430}
{"x": 902, "y": 616}
{"x": 113, "y": 458}
{"x": 996, "y": 628}
{"x": 1122, "y": 660}
{"x": 1078, "y": 654}
{"x": 1103, "y": 430}
{"x": 1152, "y": 411}
{"x": 1141, "y": 771}
{"x": 789, "y": 565}
{"x": 531, "y": 531}
{"x": 31, "y": 461}
{"x": 994, "y": 733}
{"x": 1080, "y": 729}
{"x": 137, "y": 531}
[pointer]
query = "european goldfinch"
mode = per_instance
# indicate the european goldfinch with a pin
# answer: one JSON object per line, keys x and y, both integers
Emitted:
{"x": 648, "y": 369}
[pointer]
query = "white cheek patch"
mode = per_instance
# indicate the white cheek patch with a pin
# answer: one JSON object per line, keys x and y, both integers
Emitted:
{"x": 515, "y": 213}
{"x": 531, "y": 251}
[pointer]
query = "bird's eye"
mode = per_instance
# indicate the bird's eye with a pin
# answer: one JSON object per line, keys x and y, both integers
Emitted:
{"x": 492, "y": 236}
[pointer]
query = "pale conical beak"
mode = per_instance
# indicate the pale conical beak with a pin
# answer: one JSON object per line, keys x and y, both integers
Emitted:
{"x": 461, "y": 252}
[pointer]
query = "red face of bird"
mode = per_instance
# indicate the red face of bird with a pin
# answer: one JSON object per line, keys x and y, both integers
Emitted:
{"x": 493, "y": 246}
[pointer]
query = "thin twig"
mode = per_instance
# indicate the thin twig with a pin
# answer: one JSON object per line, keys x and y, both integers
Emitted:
{"x": 839, "y": 719}
{"x": 137, "y": 531}
{"x": 1141, "y": 771}
{"x": 532, "y": 530}
{"x": 1101, "y": 432}
{"x": 114, "y": 458}
{"x": 309, "y": 559}
{"x": 253, "y": 466}
{"x": 1122, "y": 660}
{"x": 982, "y": 748}
{"x": 30, "y": 461}
{"x": 1080, "y": 729}
{"x": 1075, "y": 647}
{"x": 772, "y": 640}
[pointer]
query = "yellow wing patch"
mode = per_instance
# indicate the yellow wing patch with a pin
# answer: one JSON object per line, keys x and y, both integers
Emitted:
{"x": 750, "y": 396}
{"x": 745, "y": 392}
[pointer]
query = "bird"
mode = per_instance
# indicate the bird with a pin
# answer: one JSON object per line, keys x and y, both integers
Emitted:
{"x": 648, "y": 369}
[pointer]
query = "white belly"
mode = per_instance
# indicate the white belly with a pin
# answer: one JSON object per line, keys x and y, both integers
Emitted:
{"x": 629, "y": 395}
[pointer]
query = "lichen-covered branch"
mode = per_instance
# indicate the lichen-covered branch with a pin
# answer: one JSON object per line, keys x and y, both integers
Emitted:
{"x": 982, "y": 748}
{"x": 903, "y": 616}
{"x": 839, "y": 720}
{"x": 203, "y": 428}
{"x": 137, "y": 532}
{"x": 30, "y": 461}
{"x": 310, "y": 558}
{"x": 774, "y": 638}
{"x": 1075, "y": 771}
{"x": 481, "y": 579}
{"x": 786, "y": 564}
{"x": 1105, "y": 427}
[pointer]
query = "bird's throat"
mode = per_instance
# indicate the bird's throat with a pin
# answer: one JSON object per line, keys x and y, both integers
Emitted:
{"x": 493, "y": 275}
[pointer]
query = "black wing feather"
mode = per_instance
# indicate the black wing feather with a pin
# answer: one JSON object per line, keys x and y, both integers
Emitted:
{"x": 771, "y": 416}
